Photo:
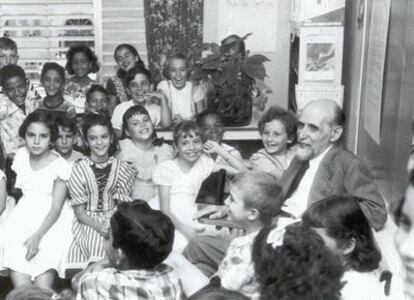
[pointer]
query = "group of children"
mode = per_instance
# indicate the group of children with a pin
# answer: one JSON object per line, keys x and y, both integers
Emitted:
{"x": 115, "y": 216}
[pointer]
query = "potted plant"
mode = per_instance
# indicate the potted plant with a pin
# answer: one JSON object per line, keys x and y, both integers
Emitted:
{"x": 231, "y": 73}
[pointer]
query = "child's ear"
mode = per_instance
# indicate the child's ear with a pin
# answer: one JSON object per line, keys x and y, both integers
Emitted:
{"x": 253, "y": 214}
{"x": 350, "y": 247}
{"x": 119, "y": 257}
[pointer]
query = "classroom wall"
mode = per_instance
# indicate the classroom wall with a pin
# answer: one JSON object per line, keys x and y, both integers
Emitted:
{"x": 387, "y": 160}
{"x": 278, "y": 67}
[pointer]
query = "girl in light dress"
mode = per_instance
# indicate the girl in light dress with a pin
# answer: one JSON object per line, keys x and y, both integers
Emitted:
{"x": 33, "y": 241}
{"x": 179, "y": 180}
{"x": 98, "y": 183}
{"x": 143, "y": 150}
{"x": 127, "y": 57}
{"x": 81, "y": 61}
{"x": 277, "y": 128}
{"x": 184, "y": 98}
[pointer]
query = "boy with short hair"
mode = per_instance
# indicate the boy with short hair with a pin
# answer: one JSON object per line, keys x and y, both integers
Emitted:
{"x": 140, "y": 239}
{"x": 255, "y": 199}
{"x": 8, "y": 52}
{"x": 66, "y": 138}
{"x": 97, "y": 100}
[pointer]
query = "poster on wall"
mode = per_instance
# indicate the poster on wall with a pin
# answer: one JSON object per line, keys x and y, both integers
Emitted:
{"x": 320, "y": 55}
{"x": 306, "y": 94}
{"x": 244, "y": 16}
{"x": 318, "y": 12}
{"x": 377, "y": 46}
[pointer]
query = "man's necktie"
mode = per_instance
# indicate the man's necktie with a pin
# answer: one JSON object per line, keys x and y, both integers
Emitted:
{"x": 296, "y": 180}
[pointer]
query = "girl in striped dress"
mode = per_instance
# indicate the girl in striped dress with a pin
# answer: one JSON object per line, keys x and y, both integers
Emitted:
{"x": 98, "y": 183}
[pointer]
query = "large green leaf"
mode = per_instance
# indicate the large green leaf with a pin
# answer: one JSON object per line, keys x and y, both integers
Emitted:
{"x": 254, "y": 70}
{"x": 257, "y": 59}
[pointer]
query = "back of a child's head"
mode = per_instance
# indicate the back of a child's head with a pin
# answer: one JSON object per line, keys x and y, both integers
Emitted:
{"x": 144, "y": 235}
{"x": 260, "y": 191}
{"x": 52, "y": 66}
{"x": 217, "y": 294}
{"x": 40, "y": 116}
{"x": 186, "y": 128}
{"x": 30, "y": 292}
{"x": 294, "y": 263}
{"x": 134, "y": 71}
{"x": 11, "y": 71}
{"x": 344, "y": 221}
{"x": 90, "y": 55}
{"x": 7, "y": 44}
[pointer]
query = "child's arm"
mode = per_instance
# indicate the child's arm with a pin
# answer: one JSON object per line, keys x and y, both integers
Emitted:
{"x": 85, "y": 219}
{"x": 3, "y": 195}
{"x": 236, "y": 165}
{"x": 59, "y": 196}
{"x": 165, "y": 110}
{"x": 164, "y": 196}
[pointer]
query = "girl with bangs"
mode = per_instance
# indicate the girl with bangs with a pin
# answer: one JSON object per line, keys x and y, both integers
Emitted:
{"x": 179, "y": 180}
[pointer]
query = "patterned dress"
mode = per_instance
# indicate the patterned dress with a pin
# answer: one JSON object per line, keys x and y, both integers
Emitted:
{"x": 75, "y": 93}
{"x": 100, "y": 187}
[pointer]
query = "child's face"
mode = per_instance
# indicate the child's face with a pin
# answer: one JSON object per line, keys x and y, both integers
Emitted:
{"x": 212, "y": 128}
{"x": 235, "y": 203}
{"x": 97, "y": 103}
{"x": 16, "y": 89}
{"x": 274, "y": 137}
{"x": 8, "y": 57}
{"x": 177, "y": 70}
{"x": 81, "y": 65}
{"x": 53, "y": 83}
{"x": 189, "y": 147}
{"x": 37, "y": 138}
{"x": 140, "y": 128}
{"x": 64, "y": 142}
{"x": 99, "y": 141}
{"x": 125, "y": 59}
{"x": 139, "y": 87}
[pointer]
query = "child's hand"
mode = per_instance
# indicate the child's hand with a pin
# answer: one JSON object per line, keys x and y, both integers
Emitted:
{"x": 32, "y": 245}
{"x": 155, "y": 97}
{"x": 103, "y": 230}
{"x": 212, "y": 147}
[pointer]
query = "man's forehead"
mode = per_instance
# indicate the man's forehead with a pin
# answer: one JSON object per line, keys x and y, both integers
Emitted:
{"x": 315, "y": 114}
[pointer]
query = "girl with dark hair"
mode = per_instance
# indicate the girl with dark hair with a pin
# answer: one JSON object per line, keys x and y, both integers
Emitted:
{"x": 98, "y": 183}
{"x": 81, "y": 61}
{"x": 34, "y": 236}
{"x": 293, "y": 262}
{"x": 143, "y": 150}
{"x": 127, "y": 57}
{"x": 341, "y": 223}
{"x": 277, "y": 128}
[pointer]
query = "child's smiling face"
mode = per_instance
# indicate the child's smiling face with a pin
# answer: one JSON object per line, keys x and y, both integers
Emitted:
{"x": 125, "y": 59}
{"x": 177, "y": 70}
{"x": 139, "y": 87}
{"x": 274, "y": 137}
{"x": 81, "y": 65}
{"x": 16, "y": 89}
{"x": 52, "y": 82}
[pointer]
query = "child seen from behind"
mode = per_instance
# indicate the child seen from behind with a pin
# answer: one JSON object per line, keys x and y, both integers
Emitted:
{"x": 140, "y": 239}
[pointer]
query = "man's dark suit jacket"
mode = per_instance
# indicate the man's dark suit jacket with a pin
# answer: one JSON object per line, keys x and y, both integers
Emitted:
{"x": 341, "y": 172}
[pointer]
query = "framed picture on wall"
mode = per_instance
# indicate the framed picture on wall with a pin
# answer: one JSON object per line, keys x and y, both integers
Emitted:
{"x": 320, "y": 55}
